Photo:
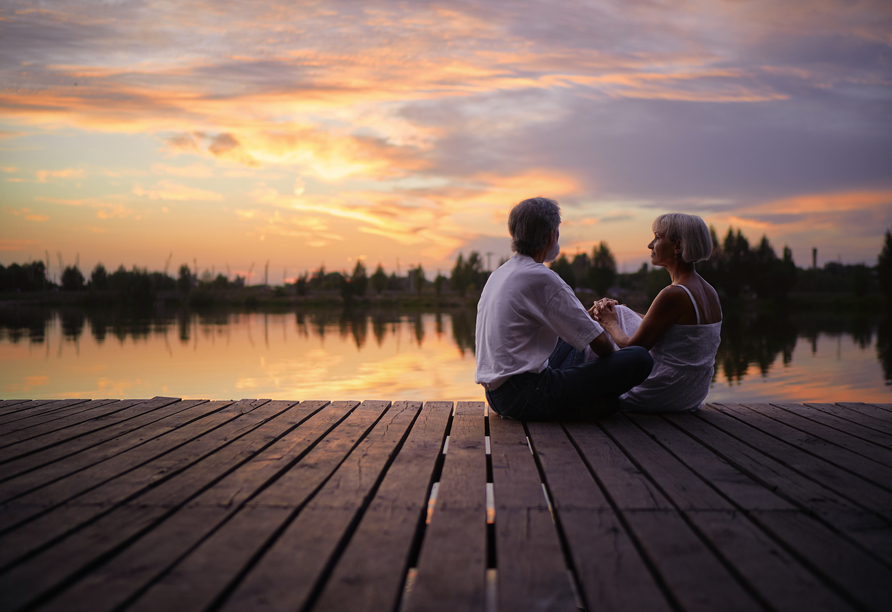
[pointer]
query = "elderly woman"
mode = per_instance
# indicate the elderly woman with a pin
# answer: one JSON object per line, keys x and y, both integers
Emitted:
{"x": 681, "y": 328}
{"x": 532, "y": 331}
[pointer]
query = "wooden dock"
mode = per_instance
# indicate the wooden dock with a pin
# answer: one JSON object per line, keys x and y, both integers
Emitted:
{"x": 188, "y": 505}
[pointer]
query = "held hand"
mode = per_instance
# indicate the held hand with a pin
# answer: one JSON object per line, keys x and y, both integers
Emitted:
{"x": 607, "y": 315}
{"x": 599, "y": 306}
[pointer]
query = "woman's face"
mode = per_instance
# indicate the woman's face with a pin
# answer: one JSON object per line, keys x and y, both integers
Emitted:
{"x": 662, "y": 250}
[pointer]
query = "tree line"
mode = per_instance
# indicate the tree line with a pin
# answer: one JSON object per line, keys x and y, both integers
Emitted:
{"x": 735, "y": 268}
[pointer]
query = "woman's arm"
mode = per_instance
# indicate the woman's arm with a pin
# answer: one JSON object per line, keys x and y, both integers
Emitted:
{"x": 665, "y": 311}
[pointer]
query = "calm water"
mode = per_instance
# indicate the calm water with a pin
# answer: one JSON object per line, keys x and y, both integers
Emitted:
{"x": 61, "y": 354}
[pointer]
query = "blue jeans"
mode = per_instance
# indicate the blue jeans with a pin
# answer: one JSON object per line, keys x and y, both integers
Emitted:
{"x": 570, "y": 388}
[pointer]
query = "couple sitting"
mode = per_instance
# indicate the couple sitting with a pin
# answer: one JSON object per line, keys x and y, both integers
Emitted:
{"x": 542, "y": 356}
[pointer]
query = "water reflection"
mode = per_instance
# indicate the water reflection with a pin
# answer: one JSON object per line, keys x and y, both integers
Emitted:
{"x": 413, "y": 354}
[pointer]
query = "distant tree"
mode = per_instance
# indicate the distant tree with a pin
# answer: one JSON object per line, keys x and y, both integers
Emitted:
{"x": 602, "y": 274}
{"x": 860, "y": 279}
{"x": 562, "y": 267}
{"x": 475, "y": 273}
{"x": 884, "y": 266}
{"x": 581, "y": 265}
{"x": 379, "y": 280}
{"x": 359, "y": 280}
{"x": 736, "y": 271}
{"x": 468, "y": 274}
{"x": 72, "y": 279}
{"x": 438, "y": 284}
{"x": 23, "y": 277}
{"x": 317, "y": 280}
{"x": 764, "y": 264}
{"x": 301, "y": 285}
{"x": 418, "y": 278}
{"x": 184, "y": 279}
{"x": 99, "y": 278}
{"x": 459, "y": 280}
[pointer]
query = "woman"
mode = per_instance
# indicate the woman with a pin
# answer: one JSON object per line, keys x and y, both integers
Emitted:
{"x": 681, "y": 328}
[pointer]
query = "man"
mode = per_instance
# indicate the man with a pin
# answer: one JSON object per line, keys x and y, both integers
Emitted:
{"x": 532, "y": 331}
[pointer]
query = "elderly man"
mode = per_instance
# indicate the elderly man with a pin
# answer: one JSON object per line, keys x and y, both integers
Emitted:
{"x": 532, "y": 331}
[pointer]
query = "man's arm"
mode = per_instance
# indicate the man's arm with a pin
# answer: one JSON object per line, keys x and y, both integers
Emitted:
{"x": 601, "y": 345}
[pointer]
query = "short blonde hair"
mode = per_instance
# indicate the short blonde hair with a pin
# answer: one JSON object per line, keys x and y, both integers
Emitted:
{"x": 696, "y": 241}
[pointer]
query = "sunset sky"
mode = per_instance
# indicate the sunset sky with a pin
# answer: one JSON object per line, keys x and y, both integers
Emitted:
{"x": 308, "y": 133}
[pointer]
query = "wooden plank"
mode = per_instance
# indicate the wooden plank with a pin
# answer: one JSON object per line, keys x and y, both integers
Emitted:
{"x": 856, "y": 575}
{"x": 370, "y": 573}
{"x": 452, "y": 563}
{"x": 49, "y": 439}
{"x": 781, "y": 582}
{"x": 699, "y": 577}
{"x": 9, "y": 404}
{"x": 296, "y": 563}
{"x": 840, "y": 449}
{"x": 867, "y": 529}
{"x": 604, "y": 556}
{"x": 36, "y": 407}
{"x": 880, "y": 412}
{"x": 127, "y": 433}
{"x": 33, "y": 426}
{"x": 532, "y": 573}
{"x": 742, "y": 490}
{"x": 178, "y": 414}
{"x": 98, "y": 533}
{"x": 878, "y": 442}
{"x": 880, "y": 424}
{"x": 883, "y": 406}
{"x": 212, "y": 567}
{"x": 91, "y": 483}
{"x": 856, "y": 488}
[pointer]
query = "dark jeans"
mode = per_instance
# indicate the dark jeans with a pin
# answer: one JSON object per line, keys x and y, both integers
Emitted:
{"x": 570, "y": 388}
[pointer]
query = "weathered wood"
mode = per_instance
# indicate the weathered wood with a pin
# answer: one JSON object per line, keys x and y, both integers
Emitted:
{"x": 686, "y": 555}
{"x": 452, "y": 564}
{"x": 854, "y": 487}
{"x": 870, "y": 531}
{"x": 10, "y": 404}
{"x": 854, "y": 437}
{"x": 156, "y": 504}
{"x": 296, "y": 562}
{"x": 97, "y": 458}
{"x": 762, "y": 416}
{"x": 761, "y": 563}
{"x": 132, "y": 431}
{"x": 605, "y": 558}
{"x": 880, "y": 412}
{"x": 736, "y": 486}
{"x": 37, "y": 407}
{"x": 54, "y": 437}
{"x": 370, "y": 573}
{"x": 878, "y": 421}
{"x": 532, "y": 573}
{"x": 33, "y": 426}
{"x": 96, "y": 532}
{"x": 857, "y": 576}
{"x": 86, "y": 492}
{"x": 223, "y": 551}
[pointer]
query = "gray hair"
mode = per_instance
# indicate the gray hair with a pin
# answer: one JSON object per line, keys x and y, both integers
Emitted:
{"x": 530, "y": 224}
{"x": 696, "y": 241}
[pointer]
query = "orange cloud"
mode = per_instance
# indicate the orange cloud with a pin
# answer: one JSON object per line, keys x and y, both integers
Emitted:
{"x": 167, "y": 190}
{"x": 27, "y": 214}
{"x": 44, "y": 175}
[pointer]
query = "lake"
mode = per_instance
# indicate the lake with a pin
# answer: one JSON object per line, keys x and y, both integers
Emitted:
{"x": 73, "y": 353}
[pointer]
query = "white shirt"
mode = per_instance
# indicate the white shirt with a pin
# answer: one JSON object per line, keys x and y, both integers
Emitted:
{"x": 523, "y": 310}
